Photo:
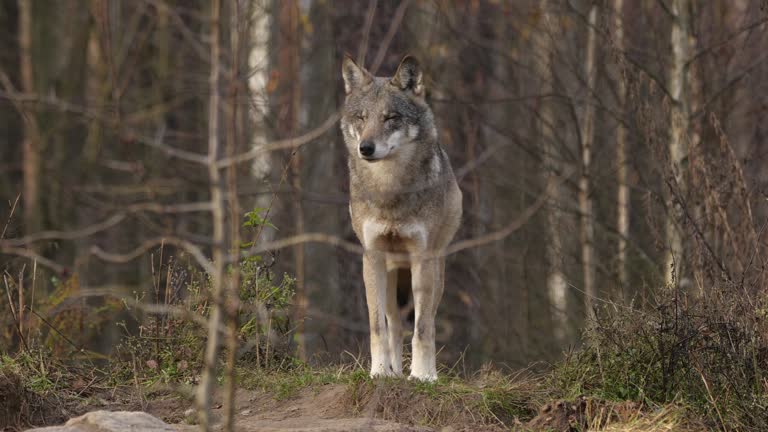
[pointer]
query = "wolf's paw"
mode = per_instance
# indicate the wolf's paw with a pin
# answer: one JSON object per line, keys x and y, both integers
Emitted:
{"x": 382, "y": 371}
{"x": 423, "y": 377}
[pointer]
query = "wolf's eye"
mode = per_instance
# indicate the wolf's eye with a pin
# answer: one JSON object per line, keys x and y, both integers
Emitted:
{"x": 360, "y": 117}
{"x": 393, "y": 116}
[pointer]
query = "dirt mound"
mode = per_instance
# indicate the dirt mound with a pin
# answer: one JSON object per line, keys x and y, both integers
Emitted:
{"x": 12, "y": 401}
{"x": 365, "y": 405}
{"x": 331, "y": 407}
{"x": 20, "y": 407}
{"x": 421, "y": 405}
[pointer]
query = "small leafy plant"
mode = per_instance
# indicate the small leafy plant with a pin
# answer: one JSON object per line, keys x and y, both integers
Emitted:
{"x": 168, "y": 347}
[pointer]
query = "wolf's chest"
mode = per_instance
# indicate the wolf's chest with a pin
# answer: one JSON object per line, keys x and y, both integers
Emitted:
{"x": 394, "y": 237}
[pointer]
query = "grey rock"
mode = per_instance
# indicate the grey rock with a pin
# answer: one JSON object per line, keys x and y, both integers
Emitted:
{"x": 111, "y": 421}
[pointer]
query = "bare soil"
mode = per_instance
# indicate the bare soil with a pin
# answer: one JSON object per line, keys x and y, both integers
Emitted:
{"x": 382, "y": 407}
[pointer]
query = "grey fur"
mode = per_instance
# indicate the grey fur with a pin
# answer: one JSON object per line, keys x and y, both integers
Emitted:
{"x": 404, "y": 199}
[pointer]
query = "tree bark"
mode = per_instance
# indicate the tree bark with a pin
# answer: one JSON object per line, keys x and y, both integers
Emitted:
{"x": 622, "y": 199}
{"x": 680, "y": 123}
{"x": 556, "y": 284}
{"x": 290, "y": 104}
{"x": 585, "y": 198}
{"x": 31, "y": 145}
{"x": 232, "y": 298}
{"x": 205, "y": 390}
{"x": 258, "y": 53}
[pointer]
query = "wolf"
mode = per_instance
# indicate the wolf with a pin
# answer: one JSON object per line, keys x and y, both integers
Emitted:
{"x": 405, "y": 207}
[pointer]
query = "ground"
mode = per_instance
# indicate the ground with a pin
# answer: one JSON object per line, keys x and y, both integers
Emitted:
{"x": 310, "y": 401}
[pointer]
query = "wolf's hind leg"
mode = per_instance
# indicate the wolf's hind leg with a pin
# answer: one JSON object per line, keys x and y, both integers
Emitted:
{"x": 425, "y": 279}
{"x": 375, "y": 278}
{"x": 394, "y": 323}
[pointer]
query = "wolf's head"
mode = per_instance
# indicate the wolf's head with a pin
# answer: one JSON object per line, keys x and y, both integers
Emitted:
{"x": 385, "y": 118}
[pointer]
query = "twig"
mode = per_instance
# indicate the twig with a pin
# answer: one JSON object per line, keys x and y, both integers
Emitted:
{"x": 45, "y": 262}
{"x": 10, "y": 300}
{"x": 189, "y": 247}
{"x": 288, "y": 143}
{"x": 711, "y": 397}
{"x": 13, "y": 312}
{"x": 32, "y": 300}
{"x": 20, "y": 287}
{"x": 108, "y": 223}
{"x": 394, "y": 24}
{"x": 8, "y": 222}
{"x": 363, "y": 49}
{"x": 67, "y": 235}
{"x": 52, "y": 327}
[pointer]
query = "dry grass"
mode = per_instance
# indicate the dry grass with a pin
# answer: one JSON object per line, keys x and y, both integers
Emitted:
{"x": 36, "y": 389}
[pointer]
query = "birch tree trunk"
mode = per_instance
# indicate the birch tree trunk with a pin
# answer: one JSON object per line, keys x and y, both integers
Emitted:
{"x": 31, "y": 146}
{"x": 205, "y": 390}
{"x": 679, "y": 122}
{"x": 258, "y": 61}
{"x": 585, "y": 199}
{"x": 622, "y": 200}
{"x": 556, "y": 285}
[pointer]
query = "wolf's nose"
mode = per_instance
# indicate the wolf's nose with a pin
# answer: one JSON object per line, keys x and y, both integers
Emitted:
{"x": 367, "y": 148}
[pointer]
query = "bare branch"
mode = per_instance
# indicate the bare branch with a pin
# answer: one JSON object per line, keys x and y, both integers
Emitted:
{"x": 170, "y": 208}
{"x": 26, "y": 253}
{"x": 491, "y": 237}
{"x": 67, "y": 235}
{"x": 363, "y": 49}
{"x": 514, "y": 225}
{"x": 157, "y": 143}
{"x": 10, "y": 216}
{"x": 288, "y": 143}
{"x": 187, "y": 246}
{"x": 394, "y": 24}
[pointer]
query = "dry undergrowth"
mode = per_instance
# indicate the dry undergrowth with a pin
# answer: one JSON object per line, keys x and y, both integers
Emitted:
{"x": 489, "y": 400}
{"x": 35, "y": 390}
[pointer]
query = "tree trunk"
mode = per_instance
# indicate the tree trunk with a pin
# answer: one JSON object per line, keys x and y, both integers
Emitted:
{"x": 205, "y": 390}
{"x": 622, "y": 200}
{"x": 231, "y": 301}
{"x": 679, "y": 122}
{"x": 556, "y": 284}
{"x": 321, "y": 178}
{"x": 258, "y": 53}
{"x": 31, "y": 145}
{"x": 290, "y": 105}
{"x": 585, "y": 198}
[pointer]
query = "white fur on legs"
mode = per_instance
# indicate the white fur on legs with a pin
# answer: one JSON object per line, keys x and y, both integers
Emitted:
{"x": 375, "y": 278}
{"x": 394, "y": 324}
{"x": 423, "y": 362}
{"x": 381, "y": 363}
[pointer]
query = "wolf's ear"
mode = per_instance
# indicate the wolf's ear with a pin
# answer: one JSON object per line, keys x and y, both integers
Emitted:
{"x": 409, "y": 76}
{"x": 354, "y": 75}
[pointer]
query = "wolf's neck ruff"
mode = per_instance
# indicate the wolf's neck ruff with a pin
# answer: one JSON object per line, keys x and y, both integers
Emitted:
{"x": 387, "y": 180}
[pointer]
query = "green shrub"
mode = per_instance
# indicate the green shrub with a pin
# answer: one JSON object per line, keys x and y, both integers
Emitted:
{"x": 709, "y": 353}
{"x": 169, "y": 346}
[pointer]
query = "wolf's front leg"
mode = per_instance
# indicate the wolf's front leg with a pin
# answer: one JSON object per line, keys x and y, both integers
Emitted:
{"x": 375, "y": 278}
{"x": 425, "y": 281}
{"x": 394, "y": 324}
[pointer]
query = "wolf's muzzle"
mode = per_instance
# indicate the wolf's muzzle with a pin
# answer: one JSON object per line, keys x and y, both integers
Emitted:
{"x": 367, "y": 148}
